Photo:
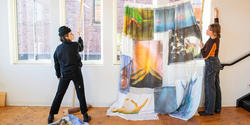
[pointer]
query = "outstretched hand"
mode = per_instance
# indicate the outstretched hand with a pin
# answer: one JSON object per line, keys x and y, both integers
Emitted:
{"x": 216, "y": 11}
{"x": 79, "y": 34}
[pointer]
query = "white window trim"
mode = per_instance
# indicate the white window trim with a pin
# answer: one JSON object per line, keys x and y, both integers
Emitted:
{"x": 115, "y": 61}
{"x": 63, "y": 22}
{"x": 96, "y": 23}
{"x": 12, "y": 16}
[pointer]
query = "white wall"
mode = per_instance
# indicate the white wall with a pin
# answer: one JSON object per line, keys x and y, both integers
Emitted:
{"x": 235, "y": 42}
{"x": 36, "y": 84}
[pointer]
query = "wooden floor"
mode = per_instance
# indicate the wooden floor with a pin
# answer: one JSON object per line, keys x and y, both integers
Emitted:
{"x": 38, "y": 116}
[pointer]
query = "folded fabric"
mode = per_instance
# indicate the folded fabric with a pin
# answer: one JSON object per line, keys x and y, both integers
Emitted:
{"x": 70, "y": 120}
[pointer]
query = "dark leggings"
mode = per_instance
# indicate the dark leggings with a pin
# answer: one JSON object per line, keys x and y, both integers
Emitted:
{"x": 62, "y": 87}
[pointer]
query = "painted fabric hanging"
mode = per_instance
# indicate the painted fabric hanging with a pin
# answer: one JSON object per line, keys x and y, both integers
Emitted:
{"x": 162, "y": 69}
{"x": 139, "y": 23}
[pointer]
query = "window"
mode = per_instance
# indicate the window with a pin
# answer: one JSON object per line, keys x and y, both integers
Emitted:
{"x": 31, "y": 30}
{"x": 91, "y": 28}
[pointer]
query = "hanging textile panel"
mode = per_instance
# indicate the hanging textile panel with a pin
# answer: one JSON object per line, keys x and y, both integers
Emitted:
{"x": 161, "y": 67}
{"x": 139, "y": 23}
{"x": 183, "y": 64}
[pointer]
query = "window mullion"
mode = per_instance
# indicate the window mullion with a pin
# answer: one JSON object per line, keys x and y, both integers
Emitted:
{"x": 34, "y": 31}
{"x": 90, "y": 32}
{"x": 83, "y": 33}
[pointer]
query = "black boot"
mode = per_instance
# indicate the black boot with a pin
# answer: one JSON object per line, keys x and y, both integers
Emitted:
{"x": 86, "y": 117}
{"x": 217, "y": 111}
{"x": 51, "y": 118}
{"x": 204, "y": 113}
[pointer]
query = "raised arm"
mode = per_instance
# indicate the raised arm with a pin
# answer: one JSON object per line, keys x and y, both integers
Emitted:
{"x": 216, "y": 20}
{"x": 216, "y": 14}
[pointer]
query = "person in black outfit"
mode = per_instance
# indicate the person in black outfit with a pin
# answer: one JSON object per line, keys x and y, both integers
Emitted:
{"x": 68, "y": 67}
{"x": 210, "y": 53}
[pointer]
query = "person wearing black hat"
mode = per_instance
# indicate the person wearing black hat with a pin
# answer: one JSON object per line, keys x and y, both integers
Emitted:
{"x": 68, "y": 67}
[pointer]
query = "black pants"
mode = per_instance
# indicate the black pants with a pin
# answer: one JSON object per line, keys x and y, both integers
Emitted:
{"x": 62, "y": 87}
{"x": 212, "y": 85}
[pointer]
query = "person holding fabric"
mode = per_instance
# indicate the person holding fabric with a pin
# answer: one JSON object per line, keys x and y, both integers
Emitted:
{"x": 68, "y": 67}
{"x": 210, "y": 53}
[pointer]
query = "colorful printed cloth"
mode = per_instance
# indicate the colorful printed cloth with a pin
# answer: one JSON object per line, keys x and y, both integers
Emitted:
{"x": 70, "y": 120}
{"x": 161, "y": 65}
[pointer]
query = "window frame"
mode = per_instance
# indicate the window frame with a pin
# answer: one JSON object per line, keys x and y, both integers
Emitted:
{"x": 94, "y": 14}
{"x": 13, "y": 37}
{"x": 62, "y": 8}
{"x": 115, "y": 61}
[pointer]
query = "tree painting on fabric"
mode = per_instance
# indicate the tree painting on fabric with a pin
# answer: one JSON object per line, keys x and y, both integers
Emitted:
{"x": 119, "y": 20}
{"x": 138, "y": 23}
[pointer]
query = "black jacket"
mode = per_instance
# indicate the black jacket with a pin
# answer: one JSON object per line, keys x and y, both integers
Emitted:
{"x": 67, "y": 59}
